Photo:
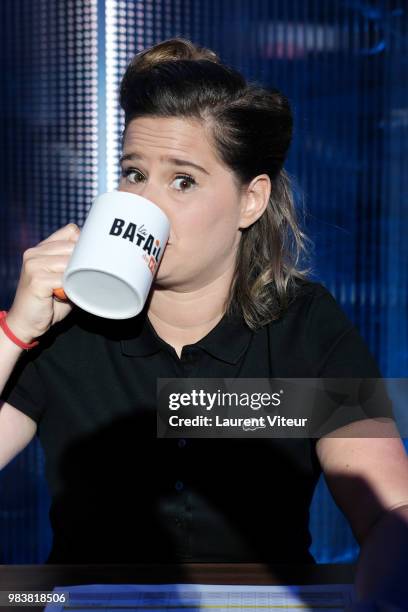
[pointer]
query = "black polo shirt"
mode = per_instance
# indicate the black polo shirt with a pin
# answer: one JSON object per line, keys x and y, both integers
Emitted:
{"x": 120, "y": 494}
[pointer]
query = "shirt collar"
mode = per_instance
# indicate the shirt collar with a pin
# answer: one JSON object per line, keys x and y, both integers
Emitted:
{"x": 226, "y": 341}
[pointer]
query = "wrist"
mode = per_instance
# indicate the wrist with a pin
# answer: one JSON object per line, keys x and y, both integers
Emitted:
{"x": 7, "y": 343}
{"x": 18, "y": 330}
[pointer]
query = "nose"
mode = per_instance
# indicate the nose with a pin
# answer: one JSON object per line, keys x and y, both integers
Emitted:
{"x": 150, "y": 193}
{"x": 146, "y": 191}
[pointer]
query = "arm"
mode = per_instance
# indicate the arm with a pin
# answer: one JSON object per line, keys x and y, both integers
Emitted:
{"x": 368, "y": 478}
{"x": 383, "y": 562}
{"x": 9, "y": 354}
{"x": 16, "y": 432}
{"x": 34, "y": 304}
{"x": 16, "y": 428}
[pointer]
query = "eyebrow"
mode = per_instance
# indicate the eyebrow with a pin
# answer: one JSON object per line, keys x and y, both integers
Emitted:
{"x": 174, "y": 160}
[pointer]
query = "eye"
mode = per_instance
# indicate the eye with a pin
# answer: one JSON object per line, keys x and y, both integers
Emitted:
{"x": 186, "y": 178}
{"x": 127, "y": 171}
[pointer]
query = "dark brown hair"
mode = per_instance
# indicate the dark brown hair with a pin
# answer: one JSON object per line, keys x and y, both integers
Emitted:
{"x": 251, "y": 129}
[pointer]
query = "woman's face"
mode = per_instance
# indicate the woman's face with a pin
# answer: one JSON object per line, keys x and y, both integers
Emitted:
{"x": 202, "y": 204}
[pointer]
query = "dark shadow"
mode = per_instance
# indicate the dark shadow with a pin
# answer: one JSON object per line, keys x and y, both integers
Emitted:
{"x": 119, "y": 504}
{"x": 384, "y": 578}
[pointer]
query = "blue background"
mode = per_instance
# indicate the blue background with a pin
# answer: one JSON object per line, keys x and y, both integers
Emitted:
{"x": 343, "y": 65}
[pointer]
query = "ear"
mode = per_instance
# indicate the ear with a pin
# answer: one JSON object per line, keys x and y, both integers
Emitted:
{"x": 255, "y": 200}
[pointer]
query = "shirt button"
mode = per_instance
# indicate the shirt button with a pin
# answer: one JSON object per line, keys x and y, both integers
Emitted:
{"x": 179, "y": 486}
{"x": 182, "y": 443}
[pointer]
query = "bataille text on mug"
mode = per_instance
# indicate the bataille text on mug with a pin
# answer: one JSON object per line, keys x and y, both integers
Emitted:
{"x": 113, "y": 264}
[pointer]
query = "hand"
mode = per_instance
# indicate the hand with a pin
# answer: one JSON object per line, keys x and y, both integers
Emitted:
{"x": 35, "y": 309}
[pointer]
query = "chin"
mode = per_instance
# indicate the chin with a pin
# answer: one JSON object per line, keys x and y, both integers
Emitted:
{"x": 163, "y": 277}
{"x": 165, "y": 266}
{"x": 167, "y": 279}
{"x": 169, "y": 272}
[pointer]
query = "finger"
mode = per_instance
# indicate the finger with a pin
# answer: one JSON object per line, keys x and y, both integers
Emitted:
{"x": 55, "y": 247}
{"x": 46, "y": 263}
{"x": 68, "y": 232}
{"x": 44, "y": 283}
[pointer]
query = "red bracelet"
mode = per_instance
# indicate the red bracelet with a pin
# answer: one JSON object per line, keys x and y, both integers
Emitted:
{"x": 9, "y": 333}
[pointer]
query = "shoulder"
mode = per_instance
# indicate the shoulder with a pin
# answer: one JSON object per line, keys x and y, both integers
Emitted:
{"x": 319, "y": 318}
{"x": 307, "y": 298}
{"x": 328, "y": 339}
{"x": 320, "y": 302}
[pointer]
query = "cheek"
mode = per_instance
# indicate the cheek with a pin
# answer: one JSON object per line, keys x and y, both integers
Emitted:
{"x": 210, "y": 224}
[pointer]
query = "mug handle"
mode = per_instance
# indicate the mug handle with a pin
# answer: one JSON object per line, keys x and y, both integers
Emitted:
{"x": 60, "y": 294}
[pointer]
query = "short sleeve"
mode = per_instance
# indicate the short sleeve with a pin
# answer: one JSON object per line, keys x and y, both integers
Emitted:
{"x": 337, "y": 351}
{"x": 333, "y": 344}
{"x": 24, "y": 389}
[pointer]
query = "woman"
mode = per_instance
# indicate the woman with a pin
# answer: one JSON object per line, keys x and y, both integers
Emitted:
{"x": 229, "y": 300}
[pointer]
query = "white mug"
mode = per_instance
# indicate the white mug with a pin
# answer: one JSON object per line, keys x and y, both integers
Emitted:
{"x": 115, "y": 259}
